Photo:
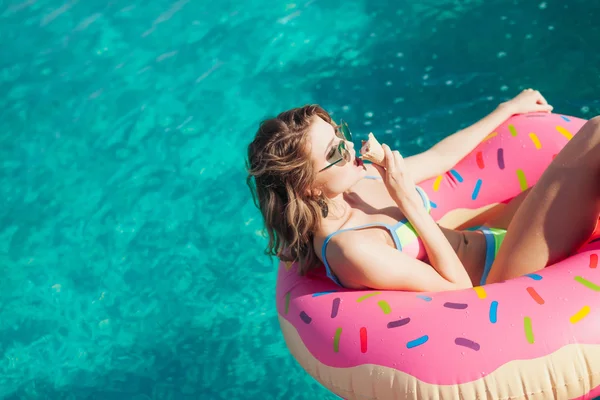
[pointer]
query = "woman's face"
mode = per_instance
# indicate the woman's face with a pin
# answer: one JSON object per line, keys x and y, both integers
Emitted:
{"x": 324, "y": 151}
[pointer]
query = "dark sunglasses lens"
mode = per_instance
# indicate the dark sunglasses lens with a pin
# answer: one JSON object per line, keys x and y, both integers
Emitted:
{"x": 344, "y": 152}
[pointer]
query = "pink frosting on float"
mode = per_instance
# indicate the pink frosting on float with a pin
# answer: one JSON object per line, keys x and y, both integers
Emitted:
{"x": 461, "y": 336}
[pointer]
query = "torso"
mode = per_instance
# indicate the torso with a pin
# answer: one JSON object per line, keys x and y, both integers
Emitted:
{"x": 371, "y": 203}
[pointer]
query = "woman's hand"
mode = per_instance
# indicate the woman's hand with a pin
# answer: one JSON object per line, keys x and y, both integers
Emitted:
{"x": 527, "y": 101}
{"x": 397, "y": 179}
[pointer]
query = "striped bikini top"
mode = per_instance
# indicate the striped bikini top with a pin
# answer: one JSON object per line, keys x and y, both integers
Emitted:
{"x": 405, "y": 236}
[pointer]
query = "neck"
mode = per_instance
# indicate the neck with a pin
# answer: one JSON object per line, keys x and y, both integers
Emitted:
{"x": 340, "y": 211}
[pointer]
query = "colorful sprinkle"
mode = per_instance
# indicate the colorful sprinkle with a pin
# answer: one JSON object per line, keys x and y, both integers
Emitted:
{"x": 335, "y": 306}
{"x": 398, "y": 323}
{"x": 456, "y": 175}
{"x": 522, "y": 180}
{"x": 363, "y": 340}
{"x": 480, "y": 292}
{"x": 535, "y": 140}
{"x": 494, "y": 312}
{"x": 417, "y": 342}
{"x": 491, "y": 135}
{"x": 336, "y": 340}
{"x": 433, "y": 205}
{"x": 593, "y": 260}
{"x": 366, "y": 296}
{"x": 304, "y": 317}
{"x": 587, "y": 284}
{"x": 501, "y": 158}
{"x": 565, "y": 118}
{"x": 528, "y": 330}
{"x": 476, "y": 189}
{"x": 385, "y": 307}
{"x": 467, "y": 343}
{"x": 512, "y": 129}
{"x": 564, "y": 132}
{"x": 287, "y": 302}
{"x": 436, "y": 183}
{"x": 579, "y": 315}
{"x": 535, "y": 277}
{"x": 535, "y": 296}
{"x": 288, "y": 265}
{"x": 423, "y": 297}
{"x": 456, "y": 306}
{"x": 479, "y": 158}
{"x": 323, "y": 293}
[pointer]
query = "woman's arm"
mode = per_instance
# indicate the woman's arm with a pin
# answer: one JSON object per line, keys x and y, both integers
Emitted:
{"x": 363, "y": 261}
{"x": 449, "y": 151}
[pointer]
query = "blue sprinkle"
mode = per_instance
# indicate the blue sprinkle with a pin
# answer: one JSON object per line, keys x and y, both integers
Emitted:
{"x": 433, "y": 205}
{"x": 565, "y": 118}
{"x": 426, "y": 298}
{"x": 417, "y": 342}
{"x": 494, "y": 312}
{"x": 323, "y": 293}
{"x": 476, "y": 190}
{"x": 456, "y": 175}
{"x": 535, "y": 277}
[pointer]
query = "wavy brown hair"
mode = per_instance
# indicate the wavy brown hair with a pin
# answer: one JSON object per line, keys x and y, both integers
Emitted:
{"x": 280, "y": 178}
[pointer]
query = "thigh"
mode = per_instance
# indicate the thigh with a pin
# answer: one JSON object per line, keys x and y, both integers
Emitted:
{"x": 505, "y": 215}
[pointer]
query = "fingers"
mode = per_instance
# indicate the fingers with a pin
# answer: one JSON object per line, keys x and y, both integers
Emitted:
{"x": 390, "y": 162}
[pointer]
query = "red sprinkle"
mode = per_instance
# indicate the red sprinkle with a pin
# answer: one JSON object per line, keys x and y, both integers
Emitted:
{"x": 480, "y": 162}
{"x": 363, "y": 340}
{"x": 535, "y": 296}
{"x": 593, "y": 260}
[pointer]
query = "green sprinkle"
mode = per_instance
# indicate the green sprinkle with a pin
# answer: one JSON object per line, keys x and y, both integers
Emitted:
{"x": 287, "y": 302}
{"x": 336, "y": 340}
{"x": 587, "y": 284}
{"x": 522, "y": 180}
{"x": 385, "y": 307}
{"x": 512, "y": 129}
{"x": 366, "y": 296}
{"x": 528, "y": 330}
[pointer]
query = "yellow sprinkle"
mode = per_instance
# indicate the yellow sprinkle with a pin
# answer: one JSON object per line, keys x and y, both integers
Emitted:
{"x": 579, "y": 315}
{"x": 288, "y": 265}
{"x": 480, "y": 292}
{"x": 535, "y": 140}
{"x": 491, "y": 135}
{"x": 436, "y": 183}
{"x": 564, "y": 132}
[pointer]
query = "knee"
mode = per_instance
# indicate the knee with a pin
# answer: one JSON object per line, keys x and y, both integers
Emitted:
{"x": 594, "y": 123}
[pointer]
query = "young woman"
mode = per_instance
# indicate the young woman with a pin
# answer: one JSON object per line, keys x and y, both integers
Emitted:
{"x": 321, "y": 204}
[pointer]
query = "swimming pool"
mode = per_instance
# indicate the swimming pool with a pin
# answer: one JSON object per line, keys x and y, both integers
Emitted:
{"x": 131, "y": 252}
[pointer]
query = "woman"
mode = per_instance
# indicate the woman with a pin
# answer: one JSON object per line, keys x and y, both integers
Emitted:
{"x": 319, "y": 206}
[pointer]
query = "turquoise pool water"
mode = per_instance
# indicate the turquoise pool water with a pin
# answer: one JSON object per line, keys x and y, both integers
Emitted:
{"x": 131, "y": 254}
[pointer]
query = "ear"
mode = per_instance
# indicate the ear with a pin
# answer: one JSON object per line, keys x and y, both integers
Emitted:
{"x": 314, "y": 192}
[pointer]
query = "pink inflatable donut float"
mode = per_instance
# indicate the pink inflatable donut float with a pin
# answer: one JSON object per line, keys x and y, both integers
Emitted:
{"x": 533, "y": 337}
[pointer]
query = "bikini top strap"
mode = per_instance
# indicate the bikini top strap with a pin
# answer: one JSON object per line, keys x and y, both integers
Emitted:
{"x": 424, "y": 198}
{"x": 330, "y": 273}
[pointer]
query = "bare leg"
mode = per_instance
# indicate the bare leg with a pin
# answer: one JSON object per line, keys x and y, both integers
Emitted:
{"x": 559, "y": 214}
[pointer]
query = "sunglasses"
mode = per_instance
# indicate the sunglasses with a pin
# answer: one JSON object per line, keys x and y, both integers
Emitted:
{"x": 341, "y": 153}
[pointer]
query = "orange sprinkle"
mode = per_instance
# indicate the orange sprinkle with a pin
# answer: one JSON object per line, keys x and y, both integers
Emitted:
{"x": 593, "y": 260}
{"x": 535, "y": 296}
